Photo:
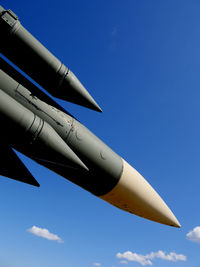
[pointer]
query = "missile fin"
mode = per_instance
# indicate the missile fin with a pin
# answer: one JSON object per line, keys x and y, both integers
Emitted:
{"x": 12, "y": 167}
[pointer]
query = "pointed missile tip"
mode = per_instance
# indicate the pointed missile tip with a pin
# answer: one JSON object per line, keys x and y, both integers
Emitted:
{"x": 77, "y": 162}
{"x": 176, "y": 224}
{"x": 135, "y": 195}
{"x": 166, "y": 216}
{"x": 76, "y": 92}
{"x": 84, "y": 166}
{"x": 96, "y": 107}
{"x": 91, "y": 104}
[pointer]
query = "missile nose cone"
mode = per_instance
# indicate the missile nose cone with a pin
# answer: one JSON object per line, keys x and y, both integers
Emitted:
{"x": 76, "y": 92}
{"x": 135, "y": 195}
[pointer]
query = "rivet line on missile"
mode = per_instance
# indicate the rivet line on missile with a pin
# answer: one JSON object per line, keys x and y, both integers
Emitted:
{"x": 35, "y": 106}
{"x": 35, "y": 132}
{"x": 28, "y": 100}
{"x": 106, "y": 175}
{"x": 12, "y": 72}
{"x": 107, "y": 172}
{"x": 72, "y": 150}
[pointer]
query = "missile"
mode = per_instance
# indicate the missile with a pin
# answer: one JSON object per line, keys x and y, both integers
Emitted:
{"x": 38, "y": 127}
{"x": 106, "y": 174}
{"x": 39, "y": 139}
{"x": 24, "y": 50}
{"x": 135, "y": 195}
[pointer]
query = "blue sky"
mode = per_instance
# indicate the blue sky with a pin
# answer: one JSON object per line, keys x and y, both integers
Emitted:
{"x": 140, "y": 60}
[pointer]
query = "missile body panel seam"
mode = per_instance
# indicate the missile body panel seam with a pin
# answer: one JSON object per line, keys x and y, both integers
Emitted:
{"x": 79, "y": 139}
{"x": 33, "y": 125}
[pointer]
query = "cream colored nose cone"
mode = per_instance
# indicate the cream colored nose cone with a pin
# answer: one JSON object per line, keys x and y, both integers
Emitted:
{"x": 135, "y": 195}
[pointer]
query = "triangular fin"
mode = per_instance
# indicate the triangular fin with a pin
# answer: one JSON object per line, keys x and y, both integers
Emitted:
{"x": 12, "y": 167}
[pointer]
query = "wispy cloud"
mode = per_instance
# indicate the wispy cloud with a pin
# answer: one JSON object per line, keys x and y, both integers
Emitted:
{"x": 130, "y": 256}
{"x": 114, "y": 31}
{"x": 97, "y": 264}
{"x": 124, "y": 262}
{"x": 194, "y": 235}
{"x": 147, "y": 259}
{"x": 42, "y": 232}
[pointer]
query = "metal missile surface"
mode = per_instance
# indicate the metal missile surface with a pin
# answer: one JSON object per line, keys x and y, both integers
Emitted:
{"x": 55, "y": 139}
{"x": 39, "y": 63}
{"x": 135, "y": 195}
{"x": 39, "y": 139}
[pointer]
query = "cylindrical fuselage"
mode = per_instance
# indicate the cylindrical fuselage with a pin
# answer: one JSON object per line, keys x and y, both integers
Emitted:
{"x": 31, "y": 135}
{"x": 61, "y": 143}
{"x": 105, "y": 166}
{"x": 108, "y": 177}
{"x": 23, "y": 49}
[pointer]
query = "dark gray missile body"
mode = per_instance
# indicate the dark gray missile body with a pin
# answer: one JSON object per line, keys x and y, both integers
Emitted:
{"x": 108, "y": 175}
{"x": 34, "y": 59}
{"x": 36, "y": 126}
{"x": 40, "y": 140}
{"x": 100, "y": 159}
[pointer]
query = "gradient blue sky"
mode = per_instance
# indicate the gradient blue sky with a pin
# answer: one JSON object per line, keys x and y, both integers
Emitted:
{"x": 140, "y": 60}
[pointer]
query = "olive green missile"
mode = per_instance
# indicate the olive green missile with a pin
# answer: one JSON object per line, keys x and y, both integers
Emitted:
{"x": 39, "y": 139}
{"x": 35, "y": 125}
{"x": 107, "y": 175}
{"x": 24, "y": 50}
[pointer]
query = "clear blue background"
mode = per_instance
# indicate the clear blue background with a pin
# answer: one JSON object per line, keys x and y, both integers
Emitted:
{"x": 140, "y": 60}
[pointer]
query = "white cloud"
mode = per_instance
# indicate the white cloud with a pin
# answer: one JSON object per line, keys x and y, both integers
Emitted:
{"x": 42, "y": 232}
{"x": 97, "y": 264}
{"x": 124, "y": 262}
{"x": 194, "y": 235}
{"x": 147, "y": 259}
{"x": 172, "y": 256}
{"x": 130, "y": 256}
